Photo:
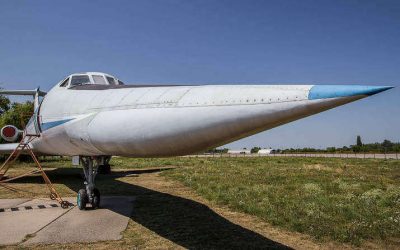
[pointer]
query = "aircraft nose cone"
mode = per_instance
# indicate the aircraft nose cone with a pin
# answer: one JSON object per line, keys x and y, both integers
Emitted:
{"x": 332, "y": 91}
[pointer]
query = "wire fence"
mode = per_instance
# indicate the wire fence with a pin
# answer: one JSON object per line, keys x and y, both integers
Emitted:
{"x": 321, "y": 155}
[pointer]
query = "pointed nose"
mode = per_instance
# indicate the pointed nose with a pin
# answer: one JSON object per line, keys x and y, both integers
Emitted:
{"x": 332, "y": 91}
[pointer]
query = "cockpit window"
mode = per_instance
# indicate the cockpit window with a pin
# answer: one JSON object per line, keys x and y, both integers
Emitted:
{"x": 79, "y": 80}
{"x": 99, "y": 80}
{"x": 64, "y": 83}
{"x": 120, "y": 82}
{"x": 110, "y": 80}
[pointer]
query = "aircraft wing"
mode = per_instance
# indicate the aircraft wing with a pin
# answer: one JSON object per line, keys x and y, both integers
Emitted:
{"x": 7, "y": 148}
{"x": 36, "y": 93}
{"x": 22, "y": 92}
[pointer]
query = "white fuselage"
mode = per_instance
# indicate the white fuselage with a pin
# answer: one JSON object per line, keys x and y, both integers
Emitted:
{"x": 167, "y": 121}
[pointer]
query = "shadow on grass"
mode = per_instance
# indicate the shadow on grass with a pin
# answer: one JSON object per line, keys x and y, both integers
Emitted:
{"x": 185, "y": 222}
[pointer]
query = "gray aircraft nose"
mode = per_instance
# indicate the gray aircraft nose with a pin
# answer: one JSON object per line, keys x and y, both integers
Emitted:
{"x": 332, "y": 91}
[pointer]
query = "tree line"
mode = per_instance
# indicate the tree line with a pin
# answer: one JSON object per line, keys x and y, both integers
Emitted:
{"x": 386, "y": 146}
{"x": 378, "y": 147}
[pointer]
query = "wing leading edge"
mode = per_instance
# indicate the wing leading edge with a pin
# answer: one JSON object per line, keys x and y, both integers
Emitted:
{"x": 22, "y": 92}
{"x": 7, "y": 148}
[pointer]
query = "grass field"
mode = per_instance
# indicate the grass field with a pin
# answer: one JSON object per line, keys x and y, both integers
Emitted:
{"x": 67, "y": 179}
{"x": 342, "y": 200}
{"x": 347, "y": 200}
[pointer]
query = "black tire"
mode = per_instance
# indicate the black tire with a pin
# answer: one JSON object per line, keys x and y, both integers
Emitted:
{"x": 64, "y": 204}
{"x": 82, "y": 199}
{"x": 96, "y": 198}
{"x": 53, "y": 196}
{"x": 104, "y": 169}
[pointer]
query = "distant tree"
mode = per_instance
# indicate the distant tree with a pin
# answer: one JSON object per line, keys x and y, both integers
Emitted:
{"x": 396, "y": 148}
{"x": 217, "y": 151}
{"x": 4, "y": 104}
{"x": 359, "y": 142}
{"x": 225, "y": 150}
{"x": 387, "y": 145}
{"x": 356, "y": 148}
{"x": 331, "y": 149}
{"x": 18, "y": 115}
{"x": 255, "y": 150}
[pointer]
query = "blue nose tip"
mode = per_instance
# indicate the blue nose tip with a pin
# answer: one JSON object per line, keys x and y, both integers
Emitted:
{"x": 332, "y": 91}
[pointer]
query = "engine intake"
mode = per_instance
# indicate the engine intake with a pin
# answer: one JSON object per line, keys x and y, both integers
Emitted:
{"x": 10, "y": 133}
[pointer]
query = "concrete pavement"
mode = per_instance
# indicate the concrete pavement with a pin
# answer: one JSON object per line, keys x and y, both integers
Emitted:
{"x": 43, "y": 221}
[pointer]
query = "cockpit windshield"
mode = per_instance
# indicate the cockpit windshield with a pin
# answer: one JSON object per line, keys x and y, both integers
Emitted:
{"x": 110, "y": 80}
{"x": 99, "y": 80}
{"x": 90, "y": 78}
{"x": 79, "y": 80}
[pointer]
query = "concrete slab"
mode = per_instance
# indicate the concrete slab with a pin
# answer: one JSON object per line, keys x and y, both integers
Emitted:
{"x": 44, "y": 221}
{"x": 18, "y": 222}
{"x": 102, "y": 224}
{"x": 44, "y": 201}
{"x": 9, "y": 203}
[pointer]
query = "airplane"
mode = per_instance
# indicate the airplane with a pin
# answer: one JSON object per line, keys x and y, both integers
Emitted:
{"x": 95, "y": 116}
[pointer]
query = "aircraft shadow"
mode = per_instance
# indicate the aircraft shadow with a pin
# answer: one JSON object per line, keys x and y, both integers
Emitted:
{"x": 185, "y": 222}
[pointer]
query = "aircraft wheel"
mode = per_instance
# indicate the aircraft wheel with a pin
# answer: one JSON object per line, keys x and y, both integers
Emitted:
{"x": 64, "y": 204}
{"x": 53, "y": 196}
{"x": 82, "y": 199}
{"x": 96, "y": 198}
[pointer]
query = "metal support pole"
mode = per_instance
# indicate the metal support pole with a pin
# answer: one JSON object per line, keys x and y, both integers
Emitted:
{"x": 89, "y": 186}
{"x": 24, "y": 144}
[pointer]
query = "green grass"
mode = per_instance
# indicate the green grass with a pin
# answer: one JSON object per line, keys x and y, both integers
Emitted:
{"x": 126, "y": 163}
{"x": 346, "y": 200}
{"x": 67, "y": 179}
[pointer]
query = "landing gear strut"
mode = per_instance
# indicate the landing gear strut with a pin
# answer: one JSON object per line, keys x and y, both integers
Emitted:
{"x": 104, "y": 165}
{"x": 89, "y": 195}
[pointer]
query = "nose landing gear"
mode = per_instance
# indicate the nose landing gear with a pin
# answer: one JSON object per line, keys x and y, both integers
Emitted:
{"x": 89, "y": 195}
{"x": 83, "y": 199}
{"x": 104, "y": 165}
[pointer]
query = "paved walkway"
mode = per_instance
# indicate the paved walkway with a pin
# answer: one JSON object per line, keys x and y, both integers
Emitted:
{"x": 44, "y": 221}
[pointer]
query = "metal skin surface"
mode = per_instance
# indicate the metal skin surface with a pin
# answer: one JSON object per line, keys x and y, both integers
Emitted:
{"x": 175, "y": 120}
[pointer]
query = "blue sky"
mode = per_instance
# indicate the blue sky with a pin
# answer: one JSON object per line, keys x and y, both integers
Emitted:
{"x": 201, "y": 41}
